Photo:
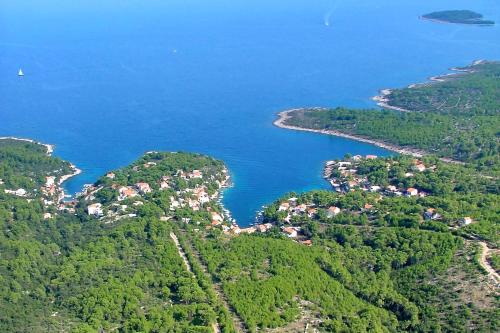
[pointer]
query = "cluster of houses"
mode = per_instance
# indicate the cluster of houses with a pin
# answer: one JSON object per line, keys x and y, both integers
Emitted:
{"x": 51, "y": 195}
{"x": 310, "y": 210}
{"x": 292, "y": 208}
{"x": 195, "y": 197}
{"x": 233, "y": 229}
{"x": 343, "y": 176}
{"x": 52, "y": 192}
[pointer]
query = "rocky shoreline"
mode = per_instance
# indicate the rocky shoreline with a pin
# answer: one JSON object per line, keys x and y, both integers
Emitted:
{"x": 50, "y": 149}
{"x": 383, "y": 100}
{"x": 285, "y": 115}
{"x": 435, "y": 20}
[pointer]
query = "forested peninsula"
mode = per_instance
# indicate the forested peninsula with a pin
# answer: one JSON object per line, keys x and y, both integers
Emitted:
{"x": 455, "y": 116}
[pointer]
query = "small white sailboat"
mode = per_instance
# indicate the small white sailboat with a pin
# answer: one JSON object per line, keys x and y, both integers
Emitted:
{"x": 20, "y": 73}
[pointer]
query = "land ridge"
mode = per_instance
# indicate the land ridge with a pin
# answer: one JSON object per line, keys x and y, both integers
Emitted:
{"x": 283, "y": 116}
{"x": 453, "y": 116}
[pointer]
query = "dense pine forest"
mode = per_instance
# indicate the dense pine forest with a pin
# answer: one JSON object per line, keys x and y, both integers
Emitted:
{"x": 70, "y": 271}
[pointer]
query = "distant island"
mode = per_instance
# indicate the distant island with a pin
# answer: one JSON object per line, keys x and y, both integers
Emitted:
{"x": 458, "y": 16}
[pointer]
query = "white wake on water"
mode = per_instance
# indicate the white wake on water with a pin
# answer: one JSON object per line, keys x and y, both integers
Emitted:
{"x": 333, "y": 7}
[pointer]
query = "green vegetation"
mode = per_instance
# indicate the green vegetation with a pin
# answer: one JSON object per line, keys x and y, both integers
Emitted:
{"x": 393, "y": 249}
{"x": 420, "y": 268}
{"x": 352, "y": 279}
{"x": 458, "y": 16}
{"x": 268, "y": 281}
{"x": 78, "y": 273}
{"x": 457, "y": 118}
{"x": 404, "y": 231}
{"x": 495, "y": 262}
{"x": 25, "y": 165}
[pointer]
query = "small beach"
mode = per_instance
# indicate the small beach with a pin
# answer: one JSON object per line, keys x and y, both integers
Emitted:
{"x": 50, "y": 148}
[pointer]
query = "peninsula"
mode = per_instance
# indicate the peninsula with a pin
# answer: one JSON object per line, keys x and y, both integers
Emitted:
{"x": 457, "y": 16}
{"x": 455, "y": 117}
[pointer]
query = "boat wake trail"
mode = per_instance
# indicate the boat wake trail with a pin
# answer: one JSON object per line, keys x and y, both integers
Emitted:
{"x": 333, "y": 7}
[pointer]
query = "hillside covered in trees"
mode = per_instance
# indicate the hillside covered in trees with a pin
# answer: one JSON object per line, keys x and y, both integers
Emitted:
{"x": 400, "y": 244}
{"x": 456, "y": 116}
{"x": 78, "y": 272}
{"x": 368, "y": 256}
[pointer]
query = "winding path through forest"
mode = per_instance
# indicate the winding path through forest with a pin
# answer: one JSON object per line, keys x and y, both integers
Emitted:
{"x": 483, "y": 260}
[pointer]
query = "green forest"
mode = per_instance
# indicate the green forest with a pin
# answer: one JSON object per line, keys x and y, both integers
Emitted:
{"x": 25, "y": 164}
{"x": 456, "y": 118}
{"x": 398, "y": 245}
{"x": 76, "y": 273}
{"x": 353, "y": 279}
{"x": 409, "y": 273}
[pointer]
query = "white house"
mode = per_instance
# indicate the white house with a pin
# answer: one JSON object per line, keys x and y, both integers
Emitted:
{"x": 196, "y": 174}
{"x": 126, "y": 192}
{"x": 95, "y": 209}
{"x": 19, "y": 192}
{"x": 411, "y": 192}
{"x": 49, "y": 181}
{"x": 217, "y": 217}
{"x": 420, "y": 167}
{"x": 284, "y": 206}
{"x": 290, "y": 232}
{"x": 143, "y": 187}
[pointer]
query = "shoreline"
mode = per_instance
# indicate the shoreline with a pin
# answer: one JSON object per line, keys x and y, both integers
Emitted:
{"x": 226, "y": 185}
{"x": 283, "y": 116}
{"x": 76, "y": 171}
{"x": 49, "y": 147}
{"x": 382, "y": 99}
{"x": 423, "y": 18}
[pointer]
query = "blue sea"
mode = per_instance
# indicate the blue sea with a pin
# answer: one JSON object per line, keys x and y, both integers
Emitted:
{"x": 107, "y": 80}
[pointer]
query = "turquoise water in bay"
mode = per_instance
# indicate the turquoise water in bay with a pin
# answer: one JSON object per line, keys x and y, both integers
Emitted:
{"x": 106, "y": 81}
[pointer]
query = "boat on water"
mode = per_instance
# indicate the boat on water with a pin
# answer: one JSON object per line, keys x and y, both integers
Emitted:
{"x": 20, "y": 73}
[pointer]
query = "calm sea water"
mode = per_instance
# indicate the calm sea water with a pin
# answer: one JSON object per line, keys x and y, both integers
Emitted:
{"x": 108, "y": 80}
